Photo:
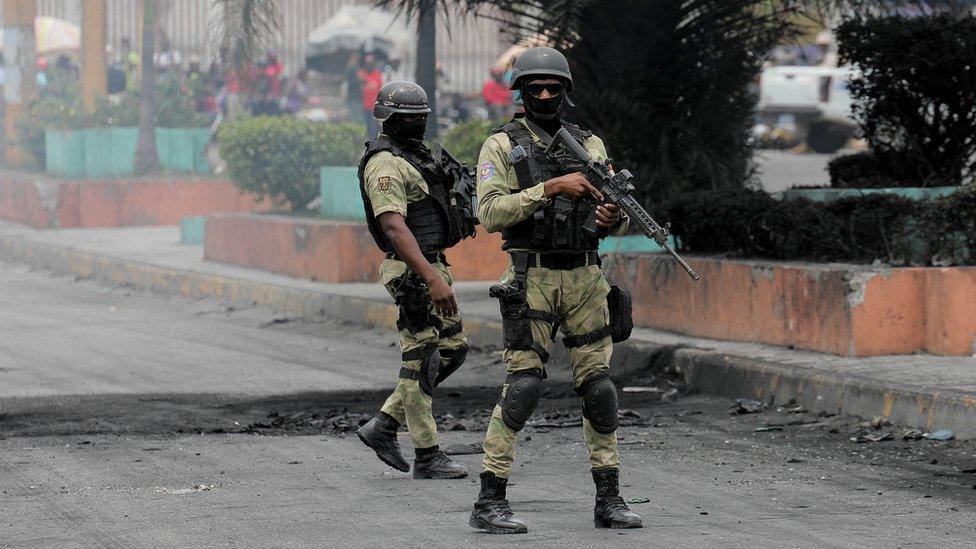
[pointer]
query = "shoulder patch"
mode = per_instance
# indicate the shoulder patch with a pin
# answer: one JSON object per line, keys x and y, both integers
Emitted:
{"x": 383, "y": 183}
{"x": 487, "y": 170}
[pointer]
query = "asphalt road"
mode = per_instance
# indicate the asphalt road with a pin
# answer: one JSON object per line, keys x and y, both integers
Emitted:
{"x": 134, "y": 420}
{"x": 781, "y": 170}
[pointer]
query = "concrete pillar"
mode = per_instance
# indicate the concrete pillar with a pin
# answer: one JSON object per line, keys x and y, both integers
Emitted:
{"x": 20, "y": 85}
{"x": 93, "y": 39}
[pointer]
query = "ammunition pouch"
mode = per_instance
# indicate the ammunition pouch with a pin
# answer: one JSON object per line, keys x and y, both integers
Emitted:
{"x": 620, "y": 303}
{"x": 416, "y": 308}
{"x": 621, "y": 321}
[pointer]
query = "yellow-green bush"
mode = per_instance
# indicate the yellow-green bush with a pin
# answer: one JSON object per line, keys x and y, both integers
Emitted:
{"x": 279, "y": 157}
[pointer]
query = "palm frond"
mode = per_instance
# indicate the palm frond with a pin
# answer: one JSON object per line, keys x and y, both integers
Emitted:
{"x": 246, "y": 28}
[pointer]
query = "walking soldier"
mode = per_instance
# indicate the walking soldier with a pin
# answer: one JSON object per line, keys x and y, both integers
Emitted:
{"x": 417, "y": 205}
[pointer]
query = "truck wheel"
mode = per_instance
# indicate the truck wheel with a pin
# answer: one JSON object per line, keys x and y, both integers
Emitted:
{"x": 828, "y": 137}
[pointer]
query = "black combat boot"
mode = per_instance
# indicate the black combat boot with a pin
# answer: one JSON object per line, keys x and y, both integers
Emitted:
{"x": 491, "y": 511}
{"x": 380, "y": 434}
{"x": 433, "y": 463}
{"x": 610, "y": 510}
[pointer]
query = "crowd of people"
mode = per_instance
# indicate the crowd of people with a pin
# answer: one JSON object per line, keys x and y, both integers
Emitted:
{"x": 265, "y": 88}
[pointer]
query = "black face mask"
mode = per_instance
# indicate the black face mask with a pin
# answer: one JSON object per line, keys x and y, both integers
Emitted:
{"x": 542, "y": 109}
{"x": 403, "y": 130}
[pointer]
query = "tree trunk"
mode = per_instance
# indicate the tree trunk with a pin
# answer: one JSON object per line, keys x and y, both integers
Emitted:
{"x": 94, "y": 82}
{"x": 426, "y": 72}
{"x": 21, "y": 79}
{"x": 146, "y": 160}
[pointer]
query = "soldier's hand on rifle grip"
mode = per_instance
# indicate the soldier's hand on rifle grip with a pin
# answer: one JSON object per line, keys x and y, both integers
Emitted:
{"x": 572, "y": 185}
{"x": 607, "y": 216}
{"x": 442, "y": 295}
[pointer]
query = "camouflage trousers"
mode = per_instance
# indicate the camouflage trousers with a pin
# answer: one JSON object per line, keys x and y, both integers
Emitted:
{"x": 408, "y": 404}
{"x": 578, "y": 297}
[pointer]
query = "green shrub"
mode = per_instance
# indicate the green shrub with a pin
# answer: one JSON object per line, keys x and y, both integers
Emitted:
{"x": 174, "y": 108}
{"x": 279, "y": 157}
{"x": 950, "y": 228}
{"x": 465, "y": 140}
{"x": 913, "y": 98}
{"x": 863, "y": 229}
{"x": 859, "y": 171}
{"x": 59, "y": 107}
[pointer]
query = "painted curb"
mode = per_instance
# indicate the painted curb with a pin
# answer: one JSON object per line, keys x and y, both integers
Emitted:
{"x": 704, "y": 371}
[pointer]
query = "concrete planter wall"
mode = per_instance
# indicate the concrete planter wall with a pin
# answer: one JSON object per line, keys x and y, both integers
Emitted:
{"x": 341, "y": 198}
{"x": 110, "y": 152}
{"x": 849, "y": 310}
{"x": 43, "y": 202}
{"x": 328, "y": 250}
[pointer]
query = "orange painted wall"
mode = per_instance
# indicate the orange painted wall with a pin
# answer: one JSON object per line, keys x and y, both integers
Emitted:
{"x": 53, "y": 203}
{"x": 328, "y": 251}
{"x": 20, "y": 201}
{"x": 950, "y": 300}
{"x": 841, "y": 309}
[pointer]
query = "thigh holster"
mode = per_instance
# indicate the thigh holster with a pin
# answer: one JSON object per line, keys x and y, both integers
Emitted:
{"x": 416, "y": 308}
{"x": 517, "y": 317}
{"x": 521, "y": 398}
{"x": 599, "y": 396}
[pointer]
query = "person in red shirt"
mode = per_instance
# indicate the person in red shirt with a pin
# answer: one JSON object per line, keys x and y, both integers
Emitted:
{"x": 372, "y": 80}
{"x": 497, "y": 96}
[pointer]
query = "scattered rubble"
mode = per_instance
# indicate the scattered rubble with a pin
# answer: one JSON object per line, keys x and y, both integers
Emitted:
{"x": 942, "y": 434}
{"x": 872, "y": 437}
{"x": 747, "y": 406}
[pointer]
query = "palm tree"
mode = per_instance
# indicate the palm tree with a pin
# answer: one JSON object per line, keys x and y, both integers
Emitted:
{"x": 667, "y": 83}
{"x": 147, "y": 160}
{"x": 247, "y": 28}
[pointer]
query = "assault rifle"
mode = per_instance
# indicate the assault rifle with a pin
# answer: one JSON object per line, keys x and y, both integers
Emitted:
{"x": 617, "y": 189}
{"x": 463, "y": 189}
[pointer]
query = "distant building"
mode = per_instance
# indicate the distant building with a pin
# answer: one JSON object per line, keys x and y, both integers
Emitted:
{"x": 465, "y": 54}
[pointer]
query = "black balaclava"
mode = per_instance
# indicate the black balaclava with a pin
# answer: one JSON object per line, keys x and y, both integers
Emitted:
{"x": 544, "y": 112}
{"x": 403, "y": 131}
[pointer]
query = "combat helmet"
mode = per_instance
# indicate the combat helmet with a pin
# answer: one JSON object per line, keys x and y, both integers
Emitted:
{"x": 541, "y": 61}
{"x": 400, "y": 97}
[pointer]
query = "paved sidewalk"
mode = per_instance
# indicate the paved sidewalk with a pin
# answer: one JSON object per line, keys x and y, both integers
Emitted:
{"x": 927, "y": 391}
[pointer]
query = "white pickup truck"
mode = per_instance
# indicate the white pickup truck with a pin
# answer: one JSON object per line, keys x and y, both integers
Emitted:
{"x": 817, "y": 97}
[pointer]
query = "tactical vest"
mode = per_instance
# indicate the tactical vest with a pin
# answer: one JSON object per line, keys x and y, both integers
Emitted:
{"x": 557, "y": 227}
{"x": 434, "y": 222}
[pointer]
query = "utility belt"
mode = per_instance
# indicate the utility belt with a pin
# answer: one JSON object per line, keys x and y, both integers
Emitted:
{"x": 517, "y": 316}
{"x": 558, "y": 261}
{"x": 431, "y": 257}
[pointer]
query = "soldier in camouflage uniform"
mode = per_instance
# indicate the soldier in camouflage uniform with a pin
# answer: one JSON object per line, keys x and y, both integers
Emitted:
{"x": 413, "y": 216}
{"x": 539, "y": 201}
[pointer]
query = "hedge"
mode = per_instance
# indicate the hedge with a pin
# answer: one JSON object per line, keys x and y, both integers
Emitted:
{"x": 59, "y": 107}
{"x": 465, "y": 140}
{"x": 914, "y": 97}
{"x": 865, "y": 229}
{"x": 279, "y": 157}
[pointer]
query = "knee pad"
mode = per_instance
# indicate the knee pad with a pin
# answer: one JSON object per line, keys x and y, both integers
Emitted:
{"x": 430, "y": 364}
{"x": 599, "y": 396}
{"x": 521, "y": 398}
{"x": 451, "y": 360}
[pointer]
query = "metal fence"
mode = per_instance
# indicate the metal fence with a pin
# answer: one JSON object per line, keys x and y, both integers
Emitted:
{"x": 466, "y": 46}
